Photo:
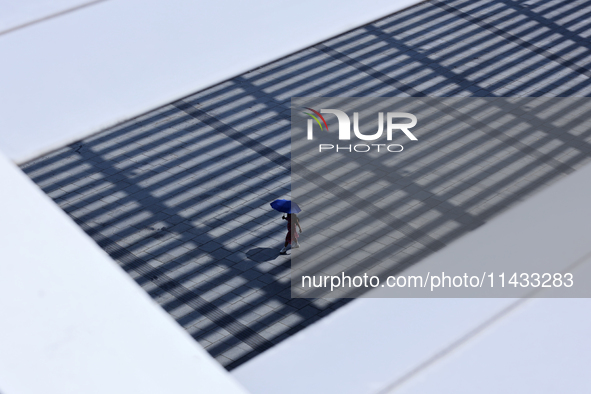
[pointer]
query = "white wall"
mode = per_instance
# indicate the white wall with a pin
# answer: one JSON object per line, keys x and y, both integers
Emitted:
{"x": 73, "y": 75}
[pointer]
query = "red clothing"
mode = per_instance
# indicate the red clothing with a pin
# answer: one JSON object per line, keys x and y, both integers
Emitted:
{"x": 292, "y": 234}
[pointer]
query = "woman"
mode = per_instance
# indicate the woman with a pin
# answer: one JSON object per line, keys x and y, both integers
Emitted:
{"x": 292, "y": 234}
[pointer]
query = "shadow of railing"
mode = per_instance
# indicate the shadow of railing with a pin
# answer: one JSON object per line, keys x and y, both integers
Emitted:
{"x": 179, "y": 196}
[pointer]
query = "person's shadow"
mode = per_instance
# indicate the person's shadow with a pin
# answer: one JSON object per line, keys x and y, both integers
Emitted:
{"x": 260, "y": 255}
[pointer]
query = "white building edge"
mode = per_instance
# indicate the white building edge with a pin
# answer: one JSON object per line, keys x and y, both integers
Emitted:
{"x": 70, "y": 70}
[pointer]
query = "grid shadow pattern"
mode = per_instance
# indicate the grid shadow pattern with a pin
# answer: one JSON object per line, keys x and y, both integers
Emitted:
{"x": 377, "y": 212}
{"x": 179, "y": 196}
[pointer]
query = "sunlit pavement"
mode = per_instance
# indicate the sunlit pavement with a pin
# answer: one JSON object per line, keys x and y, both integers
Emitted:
{"x": 180, "y": 196}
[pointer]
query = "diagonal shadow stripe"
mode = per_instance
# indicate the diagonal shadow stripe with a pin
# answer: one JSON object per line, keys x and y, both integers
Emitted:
{"x": 370, "y": 71}
{"x": 506, "y": 139}
{"x": 510, "y": 37}
{"x": 549, "y": 22}
{"x": 130, "y": 262}
{"x": 499, "y": 135}
{"x": 246, "y": 141}
{"x": 326, "y": 185}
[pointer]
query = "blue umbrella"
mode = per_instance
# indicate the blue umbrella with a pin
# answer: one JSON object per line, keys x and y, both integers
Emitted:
{"x": 285, "y": 206}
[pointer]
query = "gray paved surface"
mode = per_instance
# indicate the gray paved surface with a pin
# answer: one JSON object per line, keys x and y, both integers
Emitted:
{"x": 179, "y": 196}
{"x": 376, "y": 213}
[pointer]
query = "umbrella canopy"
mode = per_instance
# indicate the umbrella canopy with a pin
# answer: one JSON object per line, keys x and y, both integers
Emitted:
{"x": 285, "y": 206}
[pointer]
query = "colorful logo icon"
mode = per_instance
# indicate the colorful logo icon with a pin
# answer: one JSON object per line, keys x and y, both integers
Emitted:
{"x": 316, "y": 118}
